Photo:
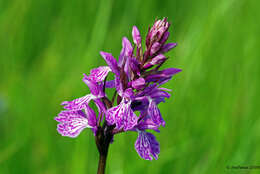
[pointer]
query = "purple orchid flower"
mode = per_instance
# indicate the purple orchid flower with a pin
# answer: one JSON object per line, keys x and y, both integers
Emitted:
{"x": 122, "y": 115}
{"x": 134, "y": 106}
{"x": 73, "y": 122}
{"x": 147, "y": 146}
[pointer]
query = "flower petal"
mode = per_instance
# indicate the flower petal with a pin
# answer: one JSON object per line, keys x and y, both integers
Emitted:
{"x": 126, "y": 51}
{"x": 130, "y": 119}
{"x": 156, "y": 60}
{"x": 164, "y": 37}
{"x": 118, "y": 85}
{"x": 138, "y": 83}
{"x": 155, "y": 47}
{"x": 146, "y": 90}
{"x": 95, "y": 88}
{"x": 79, "y": 103}
{"x": 155, "y": 114}
{"x": 134, "y": 65}
{"x": 115, "y": 115}
{"x": 99, "y": 74}
{"x": 101, "y": 108}
{"x": 162, "y": 76}
{"x": 167, "y": 47}
{"x": 147, "y": 146}
{"x": 111, "y": 62}
{"x": 128, "y": 93}
{"x": 136, "y": 36}
{"x": 91, "y": 116}
{"x": 71, "y": 123}
{"x": 122, "y": 116}
{"x": 100, "y": 105}
{"x": 159, "y": 94}
{"x": 147, "y": 123}
{"x": 140, "y": 104}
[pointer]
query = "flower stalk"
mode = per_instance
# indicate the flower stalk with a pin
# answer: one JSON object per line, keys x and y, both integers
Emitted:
{"x": 103, "y": 138}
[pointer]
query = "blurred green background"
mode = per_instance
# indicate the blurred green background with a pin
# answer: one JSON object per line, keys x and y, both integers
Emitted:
{"x": 212, "y": 119}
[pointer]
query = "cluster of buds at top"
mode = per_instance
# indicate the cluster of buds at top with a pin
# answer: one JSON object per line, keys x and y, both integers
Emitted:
{"x": 137, "y": 82}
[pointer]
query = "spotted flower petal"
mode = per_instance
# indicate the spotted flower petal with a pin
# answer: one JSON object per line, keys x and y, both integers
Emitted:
{"x": 122, "y": 116}
{"x": 71, "y": 123}
{"x": 99, "y": 74}
{"x": 79, "y": 103}
{"x": 147, "y": 123}
{"x": 147, "y": 146}
{"x": 155, "y": 114}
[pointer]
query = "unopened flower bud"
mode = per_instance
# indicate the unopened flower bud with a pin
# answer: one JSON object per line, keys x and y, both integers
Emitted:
{"x": 156, "y": 60}
{"x": 155, "y": 47}
{"x": 136, "y": 36}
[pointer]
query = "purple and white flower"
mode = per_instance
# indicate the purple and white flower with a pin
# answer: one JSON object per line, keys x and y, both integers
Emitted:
{"x": 137, "y": 84}
{"x": 147, "y": 146}
{"x": 73, "y": 122}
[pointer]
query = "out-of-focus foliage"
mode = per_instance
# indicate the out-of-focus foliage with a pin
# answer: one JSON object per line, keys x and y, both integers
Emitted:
{"x": 213, "y": 115}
